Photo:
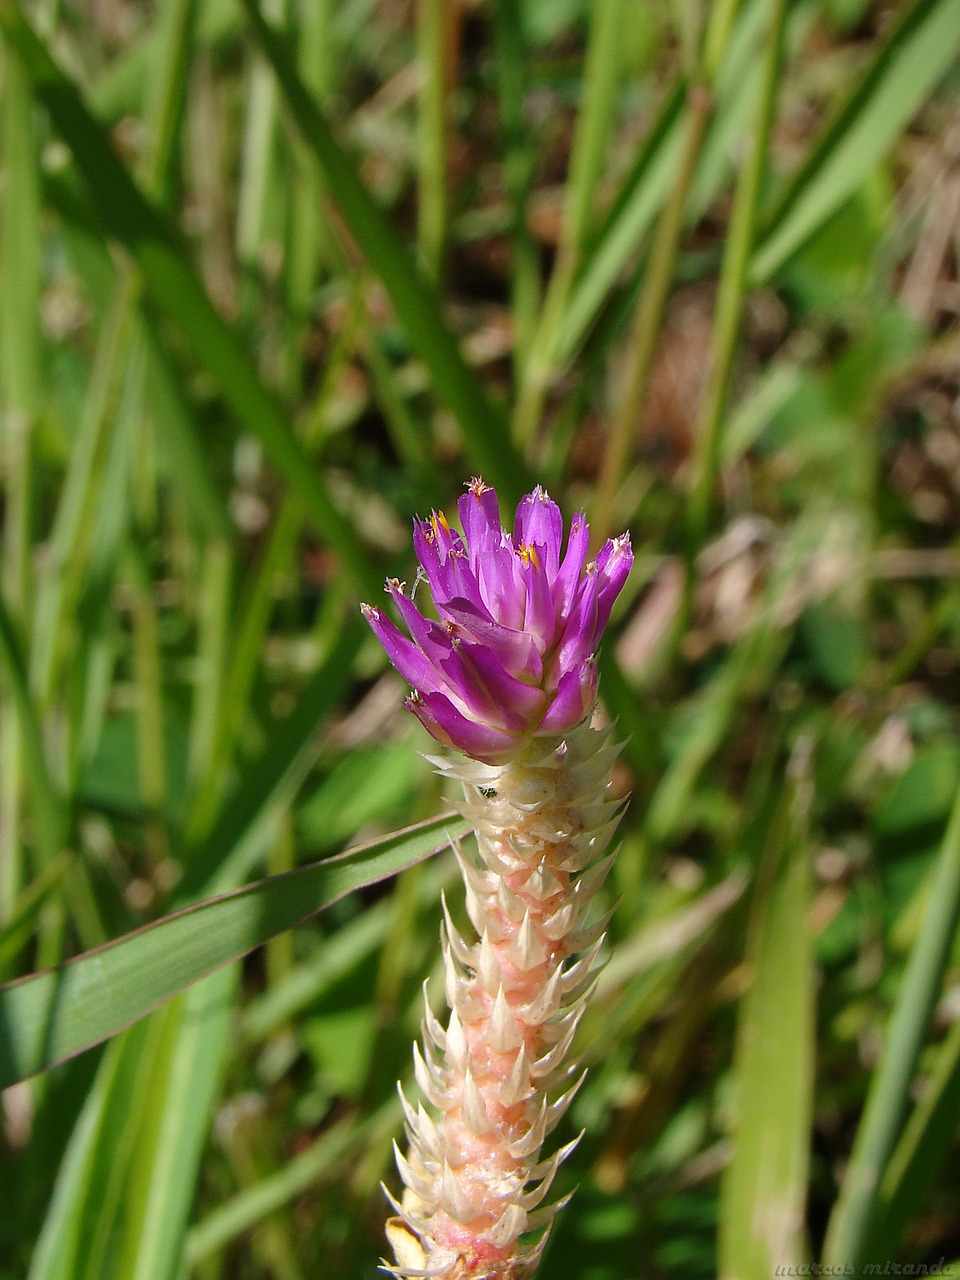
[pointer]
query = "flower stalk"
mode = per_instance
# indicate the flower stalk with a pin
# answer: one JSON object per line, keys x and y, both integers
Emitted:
{"x": 507, "y": 676}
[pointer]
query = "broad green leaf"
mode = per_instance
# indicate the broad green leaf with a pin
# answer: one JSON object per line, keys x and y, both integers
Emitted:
{"x": 52, "y": 1015}
{"x": 903, "y": 73}
{"x": 763, "y": 1192}
{"x": 172, "y": 283}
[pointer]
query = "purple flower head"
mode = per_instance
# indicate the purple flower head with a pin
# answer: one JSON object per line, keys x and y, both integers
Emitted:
{"x": 513, "y": 652}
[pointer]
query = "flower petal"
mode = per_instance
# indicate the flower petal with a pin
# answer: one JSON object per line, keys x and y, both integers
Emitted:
{"x": 427, "y": 635}
{"x": 443, "y": 721}
{"x": 576, "y": 694}
{"x": 412, "y": 663}
{"x": 539, "y": 522}
{"x": 613, "y": 568}
{"x": 517, "y": 704}
{"x": 479, "y": 513}
{"x": 501, "y": 588}
{"x": 516, "y": 650}
{"x": 571, "y": 570}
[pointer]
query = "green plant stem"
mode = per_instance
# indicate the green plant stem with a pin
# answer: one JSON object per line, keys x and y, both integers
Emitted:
{"x": 645, "y": 336}
{"x": 213, "y": 606}
{"x": 151, "y": 754}
{"x": 852, "y": 1223}
{"x": 733, "y": 279}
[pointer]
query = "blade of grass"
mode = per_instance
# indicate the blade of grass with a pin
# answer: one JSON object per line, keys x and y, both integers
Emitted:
{"x": 763, "y": 1191}
{"x": 172, "y": 284}
{"x": 50, "y": 1016}
{"x": 437, "y": 37}
{"x": 17, "y": 929}
{"x": 920, "y": 1155}
{"x": 598, "y": 94}
{"x": 645, "y": 335}
{"x": 732, "y": 288}
{"x": 857, "y": 1212}
{"x": 50, "y": 812}
{"x": 729, "y": 55}
{"x": 90, "y": 1173}
{"x": 160, "y": 1183}
{"x": 483, "y": 425}
{"x": 518, "y": 166}
{"x": 904, "y": 71}
{"x": 20, "y": 400}
{"x": 240, "y": 675}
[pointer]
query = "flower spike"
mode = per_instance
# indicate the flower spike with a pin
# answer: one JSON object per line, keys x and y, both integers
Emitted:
{"x": 506, "y": 676}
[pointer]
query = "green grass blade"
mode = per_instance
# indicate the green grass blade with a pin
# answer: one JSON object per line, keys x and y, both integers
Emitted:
{"x": 482, "y": 423}
{"x": 519, "y": 162}
{"x": 50, "y": 1016}
{"x": 50, "y": 811}
{"x": 20, "y": 400}
{"x": 732, "y": 288}
{"x": 905, "y": 70}
{"x": 17, "y": 930}
{"x": 89, "y": 1179}
{"x": 163, "y": 1173}
{"x": 918, "y": 1160}
{"x": 858, "y": 1210}
{"x": 763, "y": 1192}
{"x": 171, "y": 282}
{"x": 436, "y": 44}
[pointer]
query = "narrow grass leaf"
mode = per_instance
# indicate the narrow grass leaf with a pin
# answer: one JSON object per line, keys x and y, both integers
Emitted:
{"x": 163, "y": 1173}
{"x": 50, "y": 1016}
{"x": 917, "y": 1163}
{"x": 89, "y": 1179}
{"x": 903, "y": 73}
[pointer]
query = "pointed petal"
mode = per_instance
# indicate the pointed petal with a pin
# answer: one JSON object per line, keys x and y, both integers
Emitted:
{"x": 613, "y": 568}
{"x": 539, "y": 522}
{"x": 443, "y": 721}
{"x": 571, "y": 570}
{"x": 575, "y": 697}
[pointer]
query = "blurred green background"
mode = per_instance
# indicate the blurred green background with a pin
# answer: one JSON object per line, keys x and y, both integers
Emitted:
{"x": 274, "y": 279}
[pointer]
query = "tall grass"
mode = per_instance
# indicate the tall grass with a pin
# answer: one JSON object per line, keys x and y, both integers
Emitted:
{"x": 276, "y": 277}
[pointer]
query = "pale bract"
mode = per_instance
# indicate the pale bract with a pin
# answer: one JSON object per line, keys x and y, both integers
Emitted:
{"x": 507, "y": 676}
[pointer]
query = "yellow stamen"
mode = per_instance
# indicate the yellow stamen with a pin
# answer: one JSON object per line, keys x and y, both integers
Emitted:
{"x": 528, "y": 554}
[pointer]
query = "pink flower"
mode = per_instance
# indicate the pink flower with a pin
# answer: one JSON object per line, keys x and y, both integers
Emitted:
{"x": 512, "y": 655}
{"x": 507, "y": 675}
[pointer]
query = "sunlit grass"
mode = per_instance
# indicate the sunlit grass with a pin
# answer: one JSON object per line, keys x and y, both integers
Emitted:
{"x": 273, "y": 279}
